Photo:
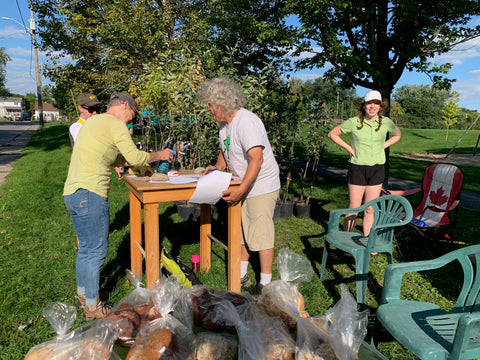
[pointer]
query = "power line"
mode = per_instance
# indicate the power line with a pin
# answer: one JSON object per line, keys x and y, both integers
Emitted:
{"x": 20, "y": 13}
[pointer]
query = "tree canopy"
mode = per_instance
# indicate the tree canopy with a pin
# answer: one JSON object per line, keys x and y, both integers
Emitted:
{"x": 422, "y": 104}
{"x": 115, "y": 43}
{"x": 4, "y": 58}
{"x": 371, "y": 43}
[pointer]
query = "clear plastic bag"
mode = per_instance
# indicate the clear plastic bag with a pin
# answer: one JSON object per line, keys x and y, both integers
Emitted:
{"x": 207, "y": 312}
{"x": 281, "y": 298}
{"x": 313, "y": 340}
{"x": 61, "y": 317}
{"x": 293, "y": 267}
{"x": 139, "y": 294}
{"x": 137, "y": 307}
{"x": 347, "y": 326}
{"x": 165, "y": 338}
{"x": 213, "y": 346}
{"x": 93, "y": 341}
{"x": 264, "y": 338}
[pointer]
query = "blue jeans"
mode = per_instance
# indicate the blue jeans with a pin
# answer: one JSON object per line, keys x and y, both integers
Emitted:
{"x": 91, "y": 219}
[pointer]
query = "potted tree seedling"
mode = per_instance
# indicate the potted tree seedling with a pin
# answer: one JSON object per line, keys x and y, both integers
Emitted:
{"x": 320, "y": 121}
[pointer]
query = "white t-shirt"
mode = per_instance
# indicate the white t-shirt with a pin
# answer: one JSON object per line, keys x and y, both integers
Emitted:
{"x": 75, "y": 128}
{"x": 245, "y": 131}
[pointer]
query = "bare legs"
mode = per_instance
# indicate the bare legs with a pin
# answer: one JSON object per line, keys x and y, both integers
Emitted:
{"x": 265, "y": 256}
{"x": 356, "y": 194}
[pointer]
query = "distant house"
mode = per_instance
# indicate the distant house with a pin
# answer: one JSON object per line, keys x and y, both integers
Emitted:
{"x": 11, "y": 107}
{"x": 50, "y": 112}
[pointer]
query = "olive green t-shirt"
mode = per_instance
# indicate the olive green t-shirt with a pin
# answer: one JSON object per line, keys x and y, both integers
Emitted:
{"x": 367, "y": 143}
{"x": 96, "y": 151}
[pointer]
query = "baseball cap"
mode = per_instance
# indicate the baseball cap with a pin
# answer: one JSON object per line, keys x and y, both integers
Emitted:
{"x": 123, "y": 96}
{"x": 373, "y": 95}
{"x": 87, "y": 100}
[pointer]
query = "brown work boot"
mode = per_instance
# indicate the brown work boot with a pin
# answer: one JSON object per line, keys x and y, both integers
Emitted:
{"x": 100, "y": 311}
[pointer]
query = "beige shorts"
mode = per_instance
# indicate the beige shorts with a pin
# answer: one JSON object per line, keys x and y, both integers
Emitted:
{"x": 258, "y": 231}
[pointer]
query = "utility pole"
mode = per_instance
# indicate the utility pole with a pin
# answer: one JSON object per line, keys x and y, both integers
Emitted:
{"x": 33, "y": 28}
{"x": 31, "y": 31}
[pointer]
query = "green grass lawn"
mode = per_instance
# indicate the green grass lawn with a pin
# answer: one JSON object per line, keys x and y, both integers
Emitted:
{"x": 37, "y": 245}
{"x": 424, "y": 141}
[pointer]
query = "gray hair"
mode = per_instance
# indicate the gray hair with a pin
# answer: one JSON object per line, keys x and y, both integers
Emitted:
{"x": 113, "y": 103}
{"x": 224, "y": 92}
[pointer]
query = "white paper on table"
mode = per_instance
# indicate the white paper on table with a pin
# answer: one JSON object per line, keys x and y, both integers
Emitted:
{"x": 180, "y": 179}
{"x": 210, "y": 187}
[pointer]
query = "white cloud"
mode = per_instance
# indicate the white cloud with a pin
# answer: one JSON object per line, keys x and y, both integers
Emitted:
{"x": 19, "y": 63}
{"x": 469, "y": 90}
{"x": 14, "y": 32}
{"x": 306, "y": 54}
{"x": 459, "y": 54}
{"x": 20, "y": 51}
{"x": 305, "y": 77}
{"x": 21, "y": 85}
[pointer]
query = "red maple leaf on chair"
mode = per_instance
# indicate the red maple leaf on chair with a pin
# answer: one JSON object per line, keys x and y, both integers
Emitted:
{"x": 437, "y": 197}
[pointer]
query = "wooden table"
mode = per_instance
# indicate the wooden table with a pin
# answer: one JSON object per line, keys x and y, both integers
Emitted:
{"x": 150, "y": 195}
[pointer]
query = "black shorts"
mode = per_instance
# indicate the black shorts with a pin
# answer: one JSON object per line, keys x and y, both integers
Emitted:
{"x": 365, "y": 175}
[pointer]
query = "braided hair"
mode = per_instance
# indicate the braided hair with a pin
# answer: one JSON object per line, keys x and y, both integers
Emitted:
{"x": 362, "y": 115}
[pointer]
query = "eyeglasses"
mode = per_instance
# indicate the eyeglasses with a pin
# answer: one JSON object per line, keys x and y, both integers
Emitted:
{"x": 92, "y": 109}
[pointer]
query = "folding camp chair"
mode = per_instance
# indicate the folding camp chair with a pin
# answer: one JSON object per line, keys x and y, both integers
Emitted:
{"x": 441, "y": 188}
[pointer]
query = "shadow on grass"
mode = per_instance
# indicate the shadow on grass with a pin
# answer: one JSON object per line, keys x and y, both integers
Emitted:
{"x": 53, "y": 137}
{"x": 178, "y": 234}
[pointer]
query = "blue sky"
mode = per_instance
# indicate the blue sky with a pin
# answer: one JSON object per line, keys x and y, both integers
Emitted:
{"x": 21, "y": 69}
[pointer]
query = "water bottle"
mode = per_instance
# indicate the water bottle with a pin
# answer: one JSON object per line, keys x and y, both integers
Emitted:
{"x": 164, "y": 164}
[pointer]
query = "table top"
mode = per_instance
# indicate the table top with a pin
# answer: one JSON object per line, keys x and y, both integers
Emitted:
{"x": 148, "y": 186}
{"x": 150, "y": 193}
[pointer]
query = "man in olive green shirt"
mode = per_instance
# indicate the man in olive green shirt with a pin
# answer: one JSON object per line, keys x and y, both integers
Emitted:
{"x": 103, "y": 143}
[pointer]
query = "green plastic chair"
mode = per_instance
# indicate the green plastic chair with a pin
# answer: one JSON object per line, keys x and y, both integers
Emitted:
{"x": 422, "y": 327}
{"x": 390, "y": 211}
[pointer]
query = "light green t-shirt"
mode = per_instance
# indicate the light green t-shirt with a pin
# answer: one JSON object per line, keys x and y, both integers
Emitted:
{"x": 367, "y": 143}
{"x": 96, "y": 151}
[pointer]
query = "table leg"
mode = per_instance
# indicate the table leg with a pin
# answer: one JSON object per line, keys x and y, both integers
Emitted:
{"x": 135, "y": 235}
{"x": 205, "y": 242}
{"x": 152, "y": 244}
{"x": 234, "y": 244}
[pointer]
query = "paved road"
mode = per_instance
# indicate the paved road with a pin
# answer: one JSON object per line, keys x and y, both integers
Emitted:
{"x": 469, "y": 199}
{"x": 14, "y": 136}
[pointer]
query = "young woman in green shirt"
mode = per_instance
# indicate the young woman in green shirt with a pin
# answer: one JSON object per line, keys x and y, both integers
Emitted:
{"x": 366, "y": 171}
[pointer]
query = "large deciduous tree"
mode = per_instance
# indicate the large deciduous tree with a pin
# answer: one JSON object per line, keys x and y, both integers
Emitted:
{"x": 371, "y": 43}
{"x": 423, "y": 105}
{"x": 111, "y": 42}
{"x": 255, "y": 29}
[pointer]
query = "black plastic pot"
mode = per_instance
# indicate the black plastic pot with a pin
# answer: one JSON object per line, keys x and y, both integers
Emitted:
{"x": 286, "y": 210}
{"x": 302, "y": 210}
{"x": 277, "y": 211}
{"x": 186, "y": 211}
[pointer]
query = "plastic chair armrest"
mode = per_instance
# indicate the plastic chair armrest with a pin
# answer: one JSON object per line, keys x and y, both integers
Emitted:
{"x": 406, "y": 192}
{"x": 454, "y": 205}
{"x": 466, "y": 324}
{"x": 334, "y": 217}
{"x": 394, "y": 275}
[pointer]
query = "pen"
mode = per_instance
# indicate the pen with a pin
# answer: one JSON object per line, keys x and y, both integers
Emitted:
{"x": 209, "y": 170}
